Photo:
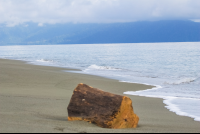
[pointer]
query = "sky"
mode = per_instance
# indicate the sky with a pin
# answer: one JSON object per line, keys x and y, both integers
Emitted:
{"x": 14, "y": 12}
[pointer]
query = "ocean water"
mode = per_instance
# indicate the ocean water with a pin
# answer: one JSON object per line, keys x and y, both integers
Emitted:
{"x": 173, "y": 68}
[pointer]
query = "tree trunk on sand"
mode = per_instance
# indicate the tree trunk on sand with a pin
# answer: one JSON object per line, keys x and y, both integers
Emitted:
{"x": 104, "y": 109}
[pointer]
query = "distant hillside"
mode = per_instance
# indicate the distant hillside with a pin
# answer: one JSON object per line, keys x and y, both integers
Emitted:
{"x": 134, "y": 32}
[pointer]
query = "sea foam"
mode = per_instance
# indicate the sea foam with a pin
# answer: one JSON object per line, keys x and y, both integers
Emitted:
{"x": 168, "y": 100}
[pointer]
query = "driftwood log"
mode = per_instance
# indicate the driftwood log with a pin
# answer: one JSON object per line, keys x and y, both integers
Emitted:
{"x": 104, "y": 109}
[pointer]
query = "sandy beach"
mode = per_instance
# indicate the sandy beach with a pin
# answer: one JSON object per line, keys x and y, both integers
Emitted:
{"x": 35, "y": 98}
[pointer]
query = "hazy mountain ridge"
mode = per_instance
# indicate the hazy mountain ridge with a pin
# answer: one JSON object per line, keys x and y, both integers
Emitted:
{"x": 134, "y": 32}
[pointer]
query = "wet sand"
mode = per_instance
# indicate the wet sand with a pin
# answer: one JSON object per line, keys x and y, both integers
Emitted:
{"x": 35, "y": 98}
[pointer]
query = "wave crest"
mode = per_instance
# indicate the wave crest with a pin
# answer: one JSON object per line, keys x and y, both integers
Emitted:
{"x": 102, "y": 67}
{"x": 181, "y": 81}
{"x": 44, "y": 60}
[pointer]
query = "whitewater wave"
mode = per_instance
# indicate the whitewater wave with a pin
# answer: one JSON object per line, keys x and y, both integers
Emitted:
{"x": 44, "y": 60}
{"x": 181, "y": 81}
{"x": 177, "y": 108}
{"x": 96, "y": 67}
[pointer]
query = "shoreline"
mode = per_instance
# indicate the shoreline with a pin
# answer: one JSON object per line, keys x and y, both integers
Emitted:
{"x": 34, "y": 98}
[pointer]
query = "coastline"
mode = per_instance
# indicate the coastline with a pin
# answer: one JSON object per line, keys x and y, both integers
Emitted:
{"x": 34, "y": 98}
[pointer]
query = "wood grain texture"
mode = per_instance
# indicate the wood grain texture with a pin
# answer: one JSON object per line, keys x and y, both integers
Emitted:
{"x": 104, "y": 109}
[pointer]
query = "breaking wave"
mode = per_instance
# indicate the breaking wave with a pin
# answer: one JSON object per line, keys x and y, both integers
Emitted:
{"x": 44, "y": 60}
{"x": 181, "y": 81}
{"x": 95, "y": 67}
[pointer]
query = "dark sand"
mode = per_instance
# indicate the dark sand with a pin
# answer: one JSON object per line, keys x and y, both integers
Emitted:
{"x": 35, "y": 99}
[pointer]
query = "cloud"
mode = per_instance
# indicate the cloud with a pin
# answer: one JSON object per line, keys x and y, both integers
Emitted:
{"x": 15, "y": 12}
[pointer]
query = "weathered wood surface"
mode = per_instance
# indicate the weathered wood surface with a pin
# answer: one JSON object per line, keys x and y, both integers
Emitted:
{"x": 104, "y": 109}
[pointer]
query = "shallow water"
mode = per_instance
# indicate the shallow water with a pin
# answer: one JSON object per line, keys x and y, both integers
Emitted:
{"x": 174, "y": 68}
